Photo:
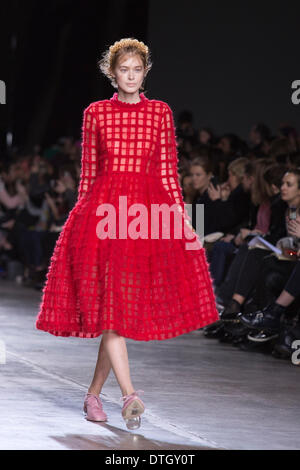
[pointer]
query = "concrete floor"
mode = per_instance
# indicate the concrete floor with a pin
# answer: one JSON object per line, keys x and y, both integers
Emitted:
{"x": 199, "y": 393}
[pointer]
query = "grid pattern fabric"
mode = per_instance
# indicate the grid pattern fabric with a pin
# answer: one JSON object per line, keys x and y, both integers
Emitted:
{"x": 147, "y": 288}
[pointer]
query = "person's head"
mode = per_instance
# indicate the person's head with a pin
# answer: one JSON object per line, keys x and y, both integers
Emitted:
{"x": 294, "y": 159}
{"x": 225, "y": 144}
{"x": 126, "y": 63}
{"x": 205, "y": 136}
{"x": 187, "y": 186}
{"x": 258, "y": 133}
{"x": 249, "y": 176}
{"x": 185, "y": 119}
{"x": 231, "y": 144}
{"x": 273, "y": 177}
{"x": 236, "y": 171}
{"x": 201, "y": 170}
{"x": 280, "y": 150}
{"x": 260, "y": 189}
{"x": 290, "y": 187}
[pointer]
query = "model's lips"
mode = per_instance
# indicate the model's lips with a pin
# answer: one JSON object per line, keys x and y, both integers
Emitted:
{"x": 131, "y": 84}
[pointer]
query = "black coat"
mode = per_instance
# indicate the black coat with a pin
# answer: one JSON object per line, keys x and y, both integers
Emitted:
{"x": 223, "y": 216}
{"x": 277, "y": 227}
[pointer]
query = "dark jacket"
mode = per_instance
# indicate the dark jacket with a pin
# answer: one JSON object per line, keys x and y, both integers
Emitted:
{"x": 277, "y": 227}
{"x": 223, "y": 216}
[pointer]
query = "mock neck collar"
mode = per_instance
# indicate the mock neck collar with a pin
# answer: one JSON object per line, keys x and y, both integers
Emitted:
{"x": 130, "y": 106}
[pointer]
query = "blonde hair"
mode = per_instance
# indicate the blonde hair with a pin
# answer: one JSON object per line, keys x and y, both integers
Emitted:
{"x": 238, "y": 167}
{"x": 119, "y": 49}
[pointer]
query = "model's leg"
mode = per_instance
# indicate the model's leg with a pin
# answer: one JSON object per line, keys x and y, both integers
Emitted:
{"x": 116, "y": 350}
{"x": 102, "y": 370}
{"x": 115, "y": 344}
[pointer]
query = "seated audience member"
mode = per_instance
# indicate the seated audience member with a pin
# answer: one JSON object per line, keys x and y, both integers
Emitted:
{"x": 278, "y": 278}
{"x": 244, "y": 272}
{"x": 226, "y": 205}
{"x": 262, "y": 190}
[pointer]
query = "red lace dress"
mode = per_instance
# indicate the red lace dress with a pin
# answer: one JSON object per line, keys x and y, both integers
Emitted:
{"x": 147, "y": 287}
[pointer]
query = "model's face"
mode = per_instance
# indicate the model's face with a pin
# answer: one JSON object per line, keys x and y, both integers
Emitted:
{"x": 289, "y": 188}
{"x": 199, "y": 177}
{"x": 129, "y": 73}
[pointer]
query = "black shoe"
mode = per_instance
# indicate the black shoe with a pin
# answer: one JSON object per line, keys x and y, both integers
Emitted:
{"x": 215, "y": 330}
{"x": 231, "y": 312}
{"x": 237, "y": 328}
{"x": 267, "y": 319}
{"x": 262, "y": 336}
{"x": 237, "y": 340}
{"x": 283, "y": 348}
{"x": 225, "y": 337}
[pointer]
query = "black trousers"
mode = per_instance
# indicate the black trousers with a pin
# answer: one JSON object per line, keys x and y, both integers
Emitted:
{"x": 293, "y": 284}
{"x": 243, "y": 272}
{"x": 275, "y": 275}
{"x": 260, "y": 270}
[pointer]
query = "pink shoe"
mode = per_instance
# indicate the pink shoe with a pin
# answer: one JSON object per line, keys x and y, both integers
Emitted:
{"x": 92, "y": 408}
{"x": 133, "y": 407}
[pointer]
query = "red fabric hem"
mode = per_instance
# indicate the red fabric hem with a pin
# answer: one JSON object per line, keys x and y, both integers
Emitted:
{"x": 131, "y": 335}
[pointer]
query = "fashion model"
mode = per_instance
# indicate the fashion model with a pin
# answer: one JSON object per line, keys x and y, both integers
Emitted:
{"x": 111, "y": 282}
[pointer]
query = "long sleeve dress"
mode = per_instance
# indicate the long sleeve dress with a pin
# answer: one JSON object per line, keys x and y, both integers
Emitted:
{"x": 101, "y": 274}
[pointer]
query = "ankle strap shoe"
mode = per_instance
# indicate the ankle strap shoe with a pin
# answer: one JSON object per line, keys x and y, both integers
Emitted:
{"x": 132, "y": 409}
{"x": 92, "y": 408}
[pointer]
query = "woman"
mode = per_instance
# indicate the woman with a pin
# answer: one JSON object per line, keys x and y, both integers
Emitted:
{"x": 135, "y": 287}
{"x": 226, "y": 205}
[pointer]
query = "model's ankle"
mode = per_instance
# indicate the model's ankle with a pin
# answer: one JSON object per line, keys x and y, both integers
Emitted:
{"x": 94, "y": 392}
{"x": 128, "y": 391}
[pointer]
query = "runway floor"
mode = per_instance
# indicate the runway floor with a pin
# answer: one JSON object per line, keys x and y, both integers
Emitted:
{"x": 199, "y": 393}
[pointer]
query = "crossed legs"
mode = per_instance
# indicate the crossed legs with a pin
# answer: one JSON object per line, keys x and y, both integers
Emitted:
{"x": 112, "y": 354}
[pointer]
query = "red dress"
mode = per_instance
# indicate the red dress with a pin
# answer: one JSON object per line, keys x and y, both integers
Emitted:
{"x": 144, "y": 288}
